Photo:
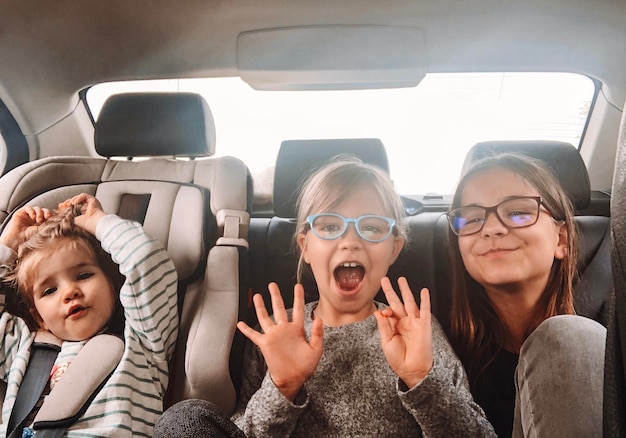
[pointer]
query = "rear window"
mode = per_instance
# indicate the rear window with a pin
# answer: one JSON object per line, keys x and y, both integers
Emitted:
{"x": 426, "y": 130}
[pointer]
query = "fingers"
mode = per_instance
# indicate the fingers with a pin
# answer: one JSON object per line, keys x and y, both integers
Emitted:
{"x": 77, "y": 199}
{"x": 33, "y": 214}
{"x": 261, "y": 312}
{"x": 87, "y": 202}
{"x": 46, "y": 214}
{"x": 425, "y": 303}
{"x": 298, "y": 304}
{"x": 392, "y": 298}
{"x": 278, "y": 305}
{"x": 384, "y": 328}
{"x": 249, "y": 332}
{"x": 317, "y": 334}
{"x": 397, "y": 309}
{"x": 407, "y": 296}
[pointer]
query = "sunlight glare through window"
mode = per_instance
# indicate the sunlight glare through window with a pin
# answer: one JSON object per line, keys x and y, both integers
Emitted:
{"x": 426, "y": 130}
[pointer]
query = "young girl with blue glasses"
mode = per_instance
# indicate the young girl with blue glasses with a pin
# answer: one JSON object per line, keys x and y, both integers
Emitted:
{"x": 346, "y": 365}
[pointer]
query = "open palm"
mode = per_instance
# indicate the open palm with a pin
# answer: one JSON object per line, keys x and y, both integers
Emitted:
{"x": 291, "y": 359}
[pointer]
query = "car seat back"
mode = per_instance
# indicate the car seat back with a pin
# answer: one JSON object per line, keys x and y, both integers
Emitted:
{"x": 197, "y": 208}
{"x": 615, "y": 360}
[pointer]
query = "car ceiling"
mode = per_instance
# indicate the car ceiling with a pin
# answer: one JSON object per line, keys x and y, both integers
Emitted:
{"x": 51, "y": 50}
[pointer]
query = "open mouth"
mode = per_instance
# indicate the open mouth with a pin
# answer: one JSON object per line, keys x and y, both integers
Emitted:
{"x": 349, "y": 275}
{"x": 75, "y": 310}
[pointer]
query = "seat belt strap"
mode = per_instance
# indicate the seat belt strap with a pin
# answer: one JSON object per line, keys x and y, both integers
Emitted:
{"x": 81, "y": 382}
{"x": 42, "y": 358}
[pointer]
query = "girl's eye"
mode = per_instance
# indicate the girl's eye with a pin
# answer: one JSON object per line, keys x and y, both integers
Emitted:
{"x": 370, "y": 229}
{"x": 85, "y": 275}
{"x": 471, "y": 220}
{"x": 517, "y": 213}
{"x": 330, "y": 228}
{"x": 370, "y": 232}
{"x": 48, "y": 291}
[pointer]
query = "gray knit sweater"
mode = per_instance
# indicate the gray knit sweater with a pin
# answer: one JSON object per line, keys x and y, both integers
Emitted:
{"x": 354, "y": 393}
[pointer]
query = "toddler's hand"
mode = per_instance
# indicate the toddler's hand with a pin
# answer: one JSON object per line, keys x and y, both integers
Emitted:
{"x": 290, "y": 358}
{"x": 22, "y": 225}
{"x": 90, "y": 209}
{"x": 406, "y": 333}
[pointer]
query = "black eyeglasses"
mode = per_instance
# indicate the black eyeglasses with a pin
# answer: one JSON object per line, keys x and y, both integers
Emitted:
{"x": 517, "y": 212}
{"x": 331, "y": 226}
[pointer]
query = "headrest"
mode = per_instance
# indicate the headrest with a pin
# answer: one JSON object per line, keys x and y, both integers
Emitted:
{"x": 155, "y": 124}
{"x": 297, "y": 159}
{"x": 563, "y": 158}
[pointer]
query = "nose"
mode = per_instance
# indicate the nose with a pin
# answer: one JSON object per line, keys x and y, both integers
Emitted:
{"x": 351, "y": 239}
{"x": 493, "y": 227}
{"x": 70, "y": 292}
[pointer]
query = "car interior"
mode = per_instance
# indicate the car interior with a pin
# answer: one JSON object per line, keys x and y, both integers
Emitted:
{"x": 156, "y": 157}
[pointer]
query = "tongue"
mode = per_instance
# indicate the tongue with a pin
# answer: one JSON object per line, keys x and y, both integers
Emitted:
{"x": 349, "y": 278}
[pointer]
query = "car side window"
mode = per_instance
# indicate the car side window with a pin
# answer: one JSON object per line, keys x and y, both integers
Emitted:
{"x": 3, "y": 152}
{"x": 13, "y": 144}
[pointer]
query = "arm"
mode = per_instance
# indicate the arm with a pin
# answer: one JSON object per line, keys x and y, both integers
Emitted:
{"x": 149, "y": 294}
{"x": 433, "y": 386}
{"x": 442, "y": 403}
{"x": 16, "y": 336}
{"x": 271, "y": 401}
{"x": 262, "y": 410}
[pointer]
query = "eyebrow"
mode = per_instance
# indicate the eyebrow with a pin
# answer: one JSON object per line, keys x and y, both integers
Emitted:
{"x": 474, "y": 204}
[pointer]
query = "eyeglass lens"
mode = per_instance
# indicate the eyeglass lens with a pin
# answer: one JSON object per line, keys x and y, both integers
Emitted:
{"x": 331, "y": 226}
{"x": 513, "y": 213}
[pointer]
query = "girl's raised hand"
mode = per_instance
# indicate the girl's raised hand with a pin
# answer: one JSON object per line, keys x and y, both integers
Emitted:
{"x": 23, "y": 224}
{"x": 406, "y": 333}
{"x": 90, "y": 211}
{"x": 290, "y": 358}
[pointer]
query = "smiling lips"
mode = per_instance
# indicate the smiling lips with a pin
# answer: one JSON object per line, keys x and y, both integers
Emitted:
{"x": 497, "y": 252}
{"x": 349, "y": 275}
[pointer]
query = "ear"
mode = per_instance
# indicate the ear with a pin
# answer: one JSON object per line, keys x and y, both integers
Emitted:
{"x": 398, "y": 244}
{"x": 301, "y": 240}
{"x": 561, "y": 245}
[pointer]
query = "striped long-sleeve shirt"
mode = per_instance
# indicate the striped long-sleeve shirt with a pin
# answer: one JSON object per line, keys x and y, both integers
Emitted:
{"x": 132, "y": 399}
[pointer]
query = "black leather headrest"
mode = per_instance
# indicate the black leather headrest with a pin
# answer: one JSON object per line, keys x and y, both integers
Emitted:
{"x": 299, "y": 158}
{"x": 563, "y": 158}
{"x": 155, "y": 124}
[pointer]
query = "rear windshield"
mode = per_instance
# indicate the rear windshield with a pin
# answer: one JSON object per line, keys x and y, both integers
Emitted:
{"x": 426, "y": 130}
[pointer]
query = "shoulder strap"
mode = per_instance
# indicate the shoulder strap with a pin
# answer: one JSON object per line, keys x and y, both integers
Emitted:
{"x": 43, "y": 353}
{"x": 82, "y": 380}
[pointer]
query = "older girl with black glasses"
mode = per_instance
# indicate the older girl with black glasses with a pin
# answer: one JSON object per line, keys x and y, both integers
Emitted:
{"x": 534, "y": 367}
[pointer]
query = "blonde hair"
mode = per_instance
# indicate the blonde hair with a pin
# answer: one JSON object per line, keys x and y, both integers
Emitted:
{"x": 55, "y": 233}
{"x": 335, "y": 182}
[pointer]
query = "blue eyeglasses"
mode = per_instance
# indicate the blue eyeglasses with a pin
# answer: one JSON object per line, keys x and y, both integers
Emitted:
{"x": 370, "y": 227}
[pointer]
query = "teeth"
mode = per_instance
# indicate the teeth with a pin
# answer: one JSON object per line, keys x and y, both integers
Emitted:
{"x": 349, "y": 265}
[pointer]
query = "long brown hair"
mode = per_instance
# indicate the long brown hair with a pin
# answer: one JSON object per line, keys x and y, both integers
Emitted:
{"x": 476, "y": 331}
